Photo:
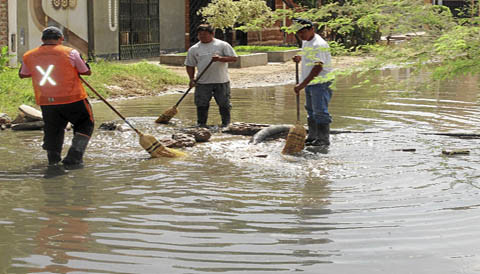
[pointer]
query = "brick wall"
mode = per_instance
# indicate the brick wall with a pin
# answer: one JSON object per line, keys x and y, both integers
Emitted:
{"x": 273, "y": 35}
{"x": 3, "y": 23}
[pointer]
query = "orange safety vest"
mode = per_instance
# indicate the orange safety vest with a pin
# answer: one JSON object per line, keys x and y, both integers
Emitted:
{"x": 55, "y": 80}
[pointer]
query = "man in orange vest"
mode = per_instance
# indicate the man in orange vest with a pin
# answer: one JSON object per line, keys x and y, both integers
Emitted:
{"x": 55, "y": 71}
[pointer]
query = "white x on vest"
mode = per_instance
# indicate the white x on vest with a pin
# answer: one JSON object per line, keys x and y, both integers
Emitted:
{"x": 46, "y": 75}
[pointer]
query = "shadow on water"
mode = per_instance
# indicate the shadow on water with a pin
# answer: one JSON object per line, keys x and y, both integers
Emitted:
{"x": 230, "y": 206}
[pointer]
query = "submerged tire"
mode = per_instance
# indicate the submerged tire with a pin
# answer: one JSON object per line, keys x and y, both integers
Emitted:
{"x": 268, "y": 132}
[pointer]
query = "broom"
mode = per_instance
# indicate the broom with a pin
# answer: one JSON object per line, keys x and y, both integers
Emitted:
{"x": 148, "y": 142}
{"x": 296, "y": 135}
{"x": 169, "y": 113}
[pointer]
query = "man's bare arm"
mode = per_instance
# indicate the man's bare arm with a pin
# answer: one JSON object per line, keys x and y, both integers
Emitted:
{"x": 225, "y": 59}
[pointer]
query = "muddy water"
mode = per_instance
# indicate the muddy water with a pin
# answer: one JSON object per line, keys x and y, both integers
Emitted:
{"x": 237, "y": 208}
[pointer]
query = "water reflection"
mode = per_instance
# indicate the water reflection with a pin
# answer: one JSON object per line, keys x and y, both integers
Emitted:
{"x": 64, "y": 230}
{"x": 366, "y": 206}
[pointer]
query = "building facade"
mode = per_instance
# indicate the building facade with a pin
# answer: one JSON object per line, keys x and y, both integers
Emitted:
{"x": 110, "y": 29}
{"x": 3, "y": 23}
{"x": 119, "y": 29}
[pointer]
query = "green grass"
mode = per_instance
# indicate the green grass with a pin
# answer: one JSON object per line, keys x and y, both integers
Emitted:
{"x": 110, "y": 79}
{"x": 14, "y": 92}
{"x": 138, "y": 78}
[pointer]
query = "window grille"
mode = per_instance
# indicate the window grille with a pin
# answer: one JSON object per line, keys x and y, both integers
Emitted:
{"x": 139, "y": 23}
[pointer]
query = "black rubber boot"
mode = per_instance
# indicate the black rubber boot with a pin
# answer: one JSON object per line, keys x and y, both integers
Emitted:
{"x": 312, "y": 132}
{"x": 54, "y": 157}
{"x": 225, "y": 113}
{"x": 323, "y": 135}
{"x": 74, "y": 158}
{"x": 202, "y": 116}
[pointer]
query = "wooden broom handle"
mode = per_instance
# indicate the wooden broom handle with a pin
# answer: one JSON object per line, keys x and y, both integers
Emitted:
{"x": 111, "y": 107}
{"x": 298, "y": 96}
{"x": 195, "y": 83}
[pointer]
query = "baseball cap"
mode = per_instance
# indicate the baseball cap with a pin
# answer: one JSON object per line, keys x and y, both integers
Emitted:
{"x": 51, "y": 33}
{"x": 305, "y": 23}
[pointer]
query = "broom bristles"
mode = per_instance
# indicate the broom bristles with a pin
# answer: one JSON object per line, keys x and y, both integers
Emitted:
{"x": 295, "y": 140}
{"x": 156, "y": 149}
{"x": 166, "y": 116}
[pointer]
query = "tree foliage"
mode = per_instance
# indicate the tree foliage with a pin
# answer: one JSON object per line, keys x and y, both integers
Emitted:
{"x": 432, "y": 34}
{"x": 221, "y": 14}
{"x": 244, "y": 15}
{"x": 445, "y": 45}
{"x": 434, "y": 38}
{"x": 254, "y": 15}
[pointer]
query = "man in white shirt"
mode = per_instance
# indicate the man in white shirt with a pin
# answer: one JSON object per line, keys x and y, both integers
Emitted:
{"x": 215, "y": 81}
{"x": 316, "y": 64}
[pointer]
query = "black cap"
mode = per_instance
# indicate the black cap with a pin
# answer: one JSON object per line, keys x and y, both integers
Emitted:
{"x": 305, "y": 23}
{"x": 51, "y": 33}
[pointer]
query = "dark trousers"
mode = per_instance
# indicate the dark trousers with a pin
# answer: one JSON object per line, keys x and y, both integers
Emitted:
{"x": 56, "y": 117}
{"x": 221, "y": 93}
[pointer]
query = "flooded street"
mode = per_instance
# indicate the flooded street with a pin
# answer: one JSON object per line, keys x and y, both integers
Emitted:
{"x": 364, "y": 207}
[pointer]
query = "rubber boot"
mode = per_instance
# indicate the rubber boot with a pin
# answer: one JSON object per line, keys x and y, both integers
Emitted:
{"x": 54, "y": 169}
{"x": 74, "y": 158}
{"x": 54, "y": 157}
{"x": 323, "y": 135}
{"x": 202, "y": 116}
{"x": 312, "y": 132}
{"x": 225, "y": 113}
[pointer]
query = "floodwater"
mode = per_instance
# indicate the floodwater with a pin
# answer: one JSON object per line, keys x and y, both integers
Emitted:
{"x": 233, "y": 207}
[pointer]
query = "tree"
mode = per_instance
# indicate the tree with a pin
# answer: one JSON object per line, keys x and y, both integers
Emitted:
{"x": 221, "y": 14}
{"x": 248, "y": 15}
{"x": 254, "y": 15}
{"x": 435, "y": 39}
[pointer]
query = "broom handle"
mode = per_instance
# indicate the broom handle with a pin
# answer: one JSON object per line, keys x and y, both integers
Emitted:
{"x": 195, "y": 83}
{"x": 108, "y": 104}
{"x": 298, "y": 96}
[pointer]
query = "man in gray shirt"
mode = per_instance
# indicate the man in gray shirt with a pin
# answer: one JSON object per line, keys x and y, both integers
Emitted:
{"x": 215, "y": 81}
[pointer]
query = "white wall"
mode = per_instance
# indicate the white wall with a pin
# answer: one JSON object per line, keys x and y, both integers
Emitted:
{"x": 12, "y": 31}
{"x": 74, "y": 19}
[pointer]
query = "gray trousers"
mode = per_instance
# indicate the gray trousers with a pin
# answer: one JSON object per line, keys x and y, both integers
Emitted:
{"x": 221, "y": 93}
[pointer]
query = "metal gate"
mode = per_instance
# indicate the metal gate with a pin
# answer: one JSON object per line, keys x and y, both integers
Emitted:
{"x": 139, "y": 31}
{"x": 195, "y": 19}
